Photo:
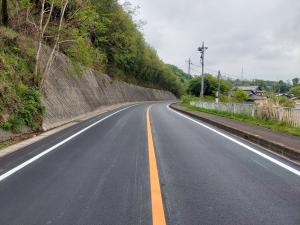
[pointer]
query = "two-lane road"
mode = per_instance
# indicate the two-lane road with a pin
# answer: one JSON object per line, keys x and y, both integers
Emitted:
{"x": 122, "y": 169}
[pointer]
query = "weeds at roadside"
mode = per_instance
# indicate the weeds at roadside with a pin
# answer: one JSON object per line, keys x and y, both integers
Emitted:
{"x": 269, "y": 124}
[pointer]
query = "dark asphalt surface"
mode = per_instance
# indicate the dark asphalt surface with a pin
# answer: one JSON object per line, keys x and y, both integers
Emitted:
{"x": 102, "y": 177}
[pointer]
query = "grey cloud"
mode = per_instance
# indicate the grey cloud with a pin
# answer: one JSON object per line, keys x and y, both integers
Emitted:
{"x": 263, "y": 36}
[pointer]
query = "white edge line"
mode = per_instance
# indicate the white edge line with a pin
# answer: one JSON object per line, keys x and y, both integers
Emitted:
{"x": 297, "y": 172}
{"x": 21, "y": 166}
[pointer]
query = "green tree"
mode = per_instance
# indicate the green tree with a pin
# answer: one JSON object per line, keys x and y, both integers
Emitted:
{"x": 240, "y": 96}
{"x": 296, "y": 90}
{"x": 97, "y": 34}
{"x": 282, "y": 87}
{"x": 295, "y": 81}
{"x": 210, "y": 86}
{"x": 184, "y": 77}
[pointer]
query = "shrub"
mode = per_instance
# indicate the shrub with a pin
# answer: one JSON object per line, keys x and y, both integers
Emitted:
{"x": 188, "y": 99}
{"x": 282, "y": 101}
{"x": 240, "y": 96}
{"x": 28, "y": 111}
{"x": 13, "y": 124}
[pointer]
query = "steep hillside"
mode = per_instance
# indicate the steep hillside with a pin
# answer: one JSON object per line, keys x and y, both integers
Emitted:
{"x": 184, "y": 77}
{"x": 98, "y": 34}
{"x": 85, "y": 39}
{"x": 19, "y": 98}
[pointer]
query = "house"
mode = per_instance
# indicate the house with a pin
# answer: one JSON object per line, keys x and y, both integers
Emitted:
{"x": 288, "y": 95}
{"x": 255, "y": 93}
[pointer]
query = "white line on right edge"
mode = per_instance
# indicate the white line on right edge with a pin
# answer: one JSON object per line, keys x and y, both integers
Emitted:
{"x": 297, "y": 172}
{"x": 21, "y": 166}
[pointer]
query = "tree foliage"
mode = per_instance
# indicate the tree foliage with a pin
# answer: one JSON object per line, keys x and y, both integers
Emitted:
{"x": 184, "y": 77}
{"x": 210, "y": 86}
{"x": 296, "y": 90}
{"x": 266, "y": 85}
{"x": 240, "y": 96}
{"x": 295, "y": 81}
{"x": 100, "y": 34}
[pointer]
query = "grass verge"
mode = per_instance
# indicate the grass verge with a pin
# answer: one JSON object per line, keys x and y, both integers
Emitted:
{"x": 6, "y": 144}
{"x": 269, "y": 124}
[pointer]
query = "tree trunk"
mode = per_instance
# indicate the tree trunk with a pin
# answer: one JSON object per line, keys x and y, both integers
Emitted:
{"x": 4, "y": 12}
{"x": 57, "y": 39}
{"x": 40, "y": 41}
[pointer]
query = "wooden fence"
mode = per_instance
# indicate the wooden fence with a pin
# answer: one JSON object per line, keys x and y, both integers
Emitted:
{"x": 287, "y": 115}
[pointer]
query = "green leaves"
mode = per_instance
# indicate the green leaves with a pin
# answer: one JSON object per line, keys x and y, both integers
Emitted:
{"x": 240, "y": 96}
{"x": 210, "y": 86}
{"x": 24, "y": 3}
{"x": 129, "y": 56}
{"x": 296, "y": 90}
{"x": 28, "y": 111}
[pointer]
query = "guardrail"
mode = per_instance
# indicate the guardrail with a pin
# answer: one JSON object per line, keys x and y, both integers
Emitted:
{"x": 287, "y": 115}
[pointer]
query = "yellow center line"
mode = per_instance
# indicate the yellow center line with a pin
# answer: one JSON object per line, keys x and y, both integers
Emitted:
{"x": 158, "y": 214}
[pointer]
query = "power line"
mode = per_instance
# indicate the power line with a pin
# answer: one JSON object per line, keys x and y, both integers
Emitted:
{"x": 216, "y": 71}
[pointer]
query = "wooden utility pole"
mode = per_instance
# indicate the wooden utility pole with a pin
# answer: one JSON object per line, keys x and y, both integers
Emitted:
{"x": 189, "y": 66}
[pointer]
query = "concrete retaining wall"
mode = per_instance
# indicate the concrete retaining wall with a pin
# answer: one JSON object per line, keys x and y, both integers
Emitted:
{"x": 68, "y": 94}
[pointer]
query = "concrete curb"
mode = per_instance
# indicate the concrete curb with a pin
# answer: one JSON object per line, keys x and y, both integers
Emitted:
{"x": 278, "y": 148}
{"x": 32, "y": 138}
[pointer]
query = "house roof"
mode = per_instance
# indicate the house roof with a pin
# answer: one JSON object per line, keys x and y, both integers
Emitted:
{"x": 249, "y": 88}
{"x": 257, "y": 97}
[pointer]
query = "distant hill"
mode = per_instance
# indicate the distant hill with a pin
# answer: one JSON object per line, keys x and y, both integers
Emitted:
{"x": 184, "y": 77}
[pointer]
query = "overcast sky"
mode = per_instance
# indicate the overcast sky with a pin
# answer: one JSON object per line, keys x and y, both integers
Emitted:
{"x": 263, "y": 36}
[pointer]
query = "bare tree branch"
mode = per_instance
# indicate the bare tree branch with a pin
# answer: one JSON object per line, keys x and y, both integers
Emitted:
{"x": 60, "y": 42}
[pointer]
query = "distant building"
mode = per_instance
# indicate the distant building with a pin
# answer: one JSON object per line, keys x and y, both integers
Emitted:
{"x": 255, "y": 93}
{"x": 288, "y": 95}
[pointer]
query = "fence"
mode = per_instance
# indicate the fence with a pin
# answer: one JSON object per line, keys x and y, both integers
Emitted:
{"x": 287, "y": 115}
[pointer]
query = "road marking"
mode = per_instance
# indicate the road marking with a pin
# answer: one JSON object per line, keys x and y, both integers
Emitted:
{"x": 26, "y": 163}
{"x": 277, "y": 162}
{"x": 158, "y": 214}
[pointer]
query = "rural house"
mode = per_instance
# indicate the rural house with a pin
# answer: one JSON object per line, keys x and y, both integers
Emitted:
{"x": 255, "y": 93}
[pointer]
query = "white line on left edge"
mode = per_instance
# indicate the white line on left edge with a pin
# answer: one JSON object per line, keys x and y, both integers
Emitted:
{"x": 21, "y": 166}
{"x": 277, "y": 162}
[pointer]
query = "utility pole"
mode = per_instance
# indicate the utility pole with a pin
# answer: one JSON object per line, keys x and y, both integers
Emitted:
{"x": 189, "y": 68}
{"x": 219, "y": 87}
{"x": 242, "y": 74}
{"x": 202, "y": 52}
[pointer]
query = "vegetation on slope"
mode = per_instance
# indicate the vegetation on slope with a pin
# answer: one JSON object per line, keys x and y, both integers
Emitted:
{"x": 184, "y": 77}
{"x": 97, "y": 34}
{"x": 19, "y": 98}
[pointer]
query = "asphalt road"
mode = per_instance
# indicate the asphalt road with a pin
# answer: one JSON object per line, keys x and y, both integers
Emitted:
{"x": 101, "y": 175}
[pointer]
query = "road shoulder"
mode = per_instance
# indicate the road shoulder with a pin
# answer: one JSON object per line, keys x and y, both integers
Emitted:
{"x": 31, "y": 140}
{"x": 286, "y": 146}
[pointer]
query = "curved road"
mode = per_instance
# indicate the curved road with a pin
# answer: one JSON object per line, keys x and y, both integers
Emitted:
{"x": 103, "y": 172}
